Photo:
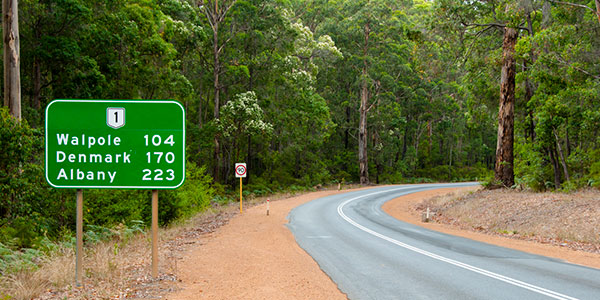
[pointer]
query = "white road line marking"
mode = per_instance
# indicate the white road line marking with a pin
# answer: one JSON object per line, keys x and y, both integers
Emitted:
{"x": 490, "y": 274}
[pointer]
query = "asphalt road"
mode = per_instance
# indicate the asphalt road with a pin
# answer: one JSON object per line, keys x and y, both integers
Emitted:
{"x": 371, "y": 255}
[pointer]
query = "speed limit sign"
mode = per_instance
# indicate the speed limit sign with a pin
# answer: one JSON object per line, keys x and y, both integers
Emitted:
{"x": 240, "y": 170}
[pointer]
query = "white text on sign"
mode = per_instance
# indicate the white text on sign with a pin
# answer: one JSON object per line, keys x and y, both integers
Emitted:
{"x": 157, "y": 157}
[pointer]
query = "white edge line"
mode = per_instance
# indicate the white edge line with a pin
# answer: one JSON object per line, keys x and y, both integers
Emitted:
{"x": 484, "y": 272}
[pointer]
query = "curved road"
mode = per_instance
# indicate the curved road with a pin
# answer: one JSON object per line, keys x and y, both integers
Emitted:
{"x": 371, "y": 255}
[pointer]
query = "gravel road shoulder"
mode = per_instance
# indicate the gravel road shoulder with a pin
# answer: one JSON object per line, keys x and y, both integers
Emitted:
{"x": 254, "y": 256}
{"x": 405, "y": 209}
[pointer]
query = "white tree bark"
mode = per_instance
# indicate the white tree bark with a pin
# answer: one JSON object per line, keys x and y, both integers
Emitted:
{"x": 12, "y": 74}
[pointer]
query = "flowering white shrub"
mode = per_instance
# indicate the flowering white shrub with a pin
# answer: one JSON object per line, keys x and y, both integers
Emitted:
{"x": 243, "y": 116}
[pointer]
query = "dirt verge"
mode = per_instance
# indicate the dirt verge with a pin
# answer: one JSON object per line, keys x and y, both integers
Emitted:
{"x": 254, "y": 256}
{"x": 405, "y": 209}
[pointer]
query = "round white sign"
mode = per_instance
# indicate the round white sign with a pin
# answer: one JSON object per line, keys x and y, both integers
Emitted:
{"x": 240, "y": 170}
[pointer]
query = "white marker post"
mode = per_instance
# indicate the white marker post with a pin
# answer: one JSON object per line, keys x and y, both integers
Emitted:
{"x": 267, "y": 206}
{"x": 240, "y": 172}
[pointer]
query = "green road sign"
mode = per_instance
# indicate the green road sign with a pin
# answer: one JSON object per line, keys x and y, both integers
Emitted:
{"x": 115, "y": 144}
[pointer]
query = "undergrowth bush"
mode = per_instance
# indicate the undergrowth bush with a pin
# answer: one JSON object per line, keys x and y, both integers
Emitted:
{"x": 196, "y": 193}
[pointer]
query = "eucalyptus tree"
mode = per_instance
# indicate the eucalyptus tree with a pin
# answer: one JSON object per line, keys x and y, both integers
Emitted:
{"x": 245, "y": 34}
{"x": 566, "y": 72}
{"x": 218, "y": 17}
{"x": 479, "y": 18}
{"x": 54, "y": 54}
{"x": 299, "y": 113}
{"x": 369, "y": 33}
{"x": 12, "y": 67}
{"x": 581, "y": 5}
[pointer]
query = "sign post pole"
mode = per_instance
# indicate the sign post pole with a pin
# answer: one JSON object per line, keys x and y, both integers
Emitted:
{"x": 79, "y": 233}
{"x": 154, "y": 233}
{"x": 241, "y": 195}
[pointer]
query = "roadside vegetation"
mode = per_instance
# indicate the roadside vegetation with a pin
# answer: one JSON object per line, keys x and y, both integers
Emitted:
{"x": 308, "y": 93}
{"x": 116, "y": 259}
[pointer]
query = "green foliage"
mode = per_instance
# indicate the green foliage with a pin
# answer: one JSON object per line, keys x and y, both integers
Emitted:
{"x": 19, "y": 163}
{"x": 14, "y": 261}
{"x": 491, "y": 183}
{"x": 557, "y": 83}
{"x": 453, "y": 174}
{"x": 196, "y": 193}
{"x": 593, "y": 178}
{"x": 28, "y": 206}
{"x": 243, "y": 116}
{"x": 290, "y": 78}
{"x": 260, "y": 187}
{"x": 32, "y": 211}
{"x": 529, "y": 167}
{"x": 109, "y": 208}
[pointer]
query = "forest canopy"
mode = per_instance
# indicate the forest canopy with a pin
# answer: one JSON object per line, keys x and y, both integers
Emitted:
{"x": 308, "y": 93}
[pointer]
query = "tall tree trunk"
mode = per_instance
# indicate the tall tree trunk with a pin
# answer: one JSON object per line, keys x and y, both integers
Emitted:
{"x": 555, "y": 167}
{"x": 347, "y": 131}
{"x": 248, "y": 159}
{"x": 37, "y": 74}
{"x": 429, "y": 128}
{"x": 504, "y": 148}
{"x": 529, "y": 89}
{"x": 450, "y": 163}
{"x": 567, "y": 139}
{"x": 363, "y": 162}
{"x": 405, "y": 141}
{"x": 216, "y": 15}
{"x": 441, "y": 148}
{"x": 561, "y": 155}
{"x": 37, "y": 84}
{"x": 216, "y": 70}
{"x": 378, "y": 164}
{"x": 598, "y": 10}
{"x": 397, "y": 156}
{"x": 200, "y": 122}
{"x": 417, "y": 140}
{"x": 362, "y": 135}
{"x": 12, "y": 71}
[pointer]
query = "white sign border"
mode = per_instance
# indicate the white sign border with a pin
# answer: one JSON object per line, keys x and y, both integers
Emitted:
{"x": 110, "y": 187}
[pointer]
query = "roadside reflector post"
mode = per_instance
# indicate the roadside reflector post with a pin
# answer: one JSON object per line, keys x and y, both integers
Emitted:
{"x": 425, "y": 216}
{"x": 267, "y": 206}
{"x": 154, "y": 233}
{"x": 79, "y": 237}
